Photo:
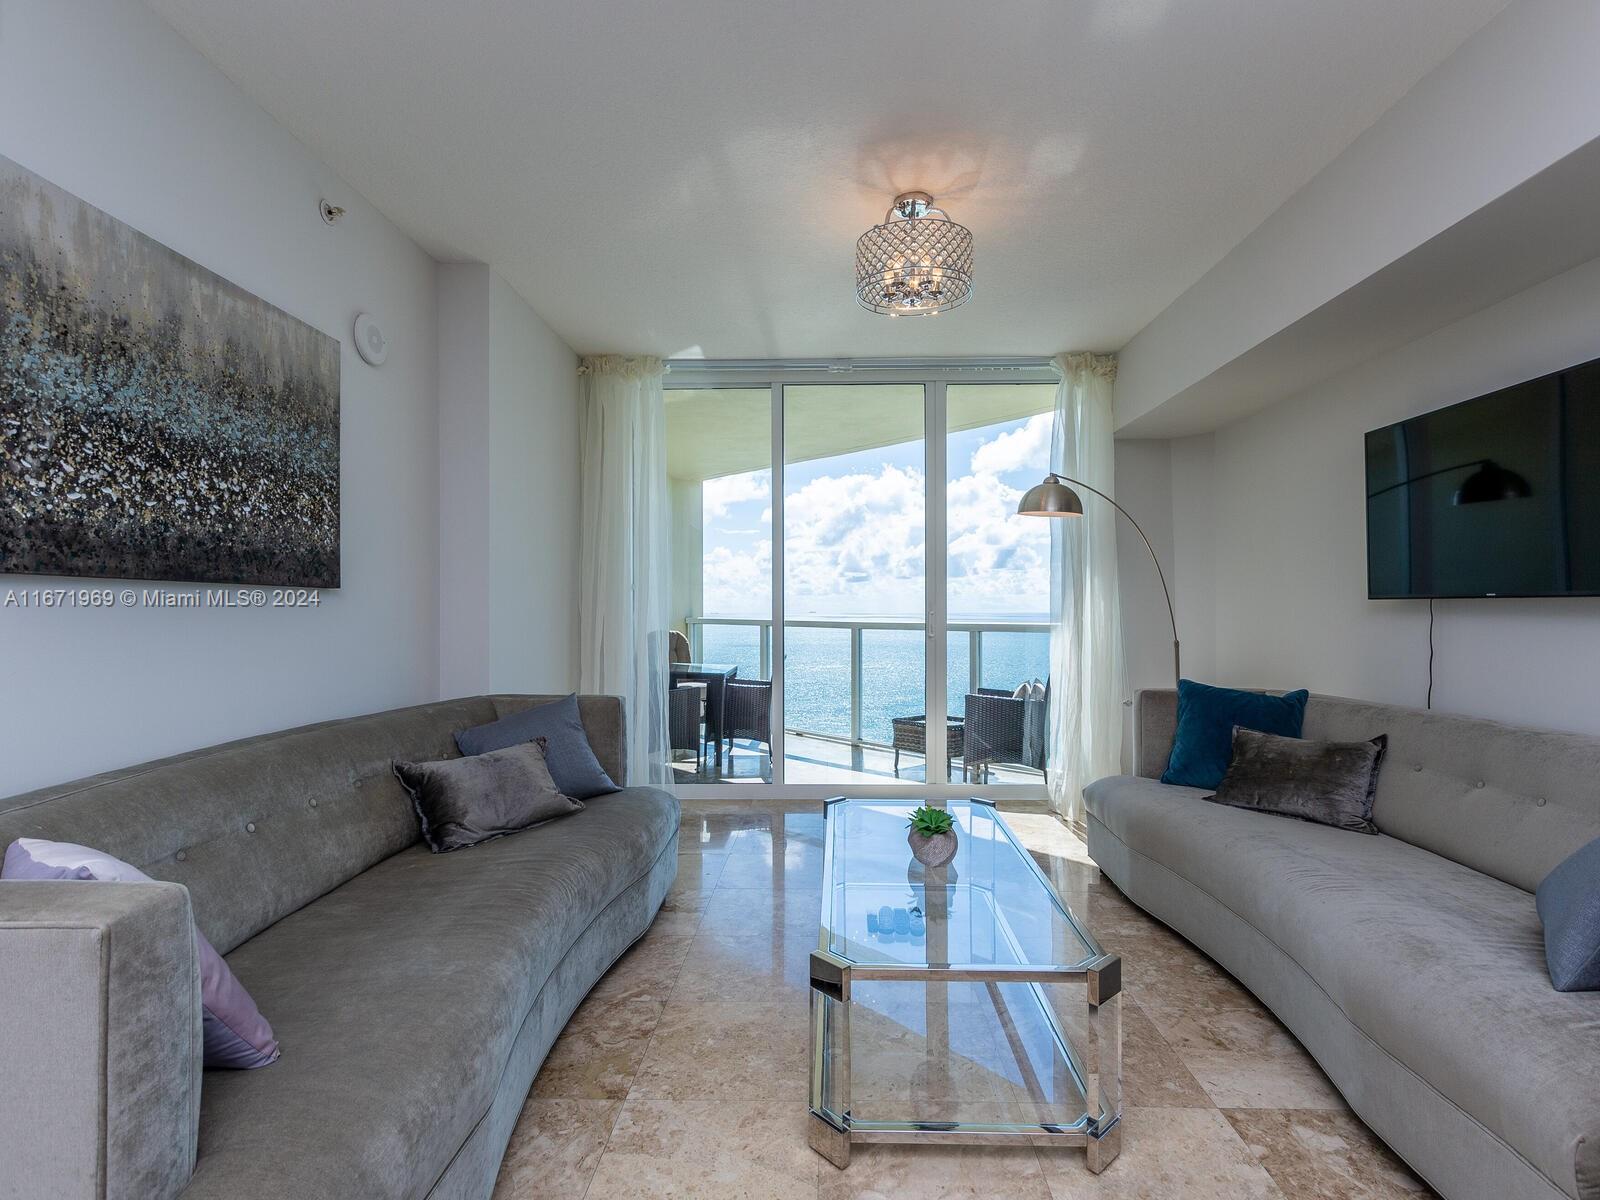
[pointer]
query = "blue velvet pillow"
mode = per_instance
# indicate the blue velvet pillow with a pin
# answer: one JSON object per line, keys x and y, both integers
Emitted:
{"x": 569, "y": 756}
{"x": 1569, "y": 905}
{"x": 1203, "y": 745}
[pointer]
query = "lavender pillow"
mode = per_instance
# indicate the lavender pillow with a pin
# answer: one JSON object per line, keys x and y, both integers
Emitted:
{"x": 236, "y": 1034}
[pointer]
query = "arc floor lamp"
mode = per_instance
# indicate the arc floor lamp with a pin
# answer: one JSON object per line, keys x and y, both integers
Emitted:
{"x": 1054, "y": 498}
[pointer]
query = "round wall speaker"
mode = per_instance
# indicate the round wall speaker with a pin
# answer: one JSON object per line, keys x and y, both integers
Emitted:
{"x": 370, "y": 342}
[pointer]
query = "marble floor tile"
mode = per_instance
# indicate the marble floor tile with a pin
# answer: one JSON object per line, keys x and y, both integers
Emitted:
{"x": 1044, "y": 832}
{"x": 711, "y": 829}
{"x": 709, "y": 1150}
{"x": 555, "y": 1148}
{"x": 649, "y": 969}
{"x": 1246, "y": 1059}
{"x": 794, "y": 865}
{"x": 678, "y": 923}
{"x": 698, "y": 876}
{"x": 728, "y": 1050}
{"x": 1170, "y": 978}
{"x": 1167, "y": 1154}
{"x": 599, "y": 1052}
{"x": 755, "y": 911}
{"x": 739, "y": 966}
{"x": 686, "y": 900}
{"x": 1315, "y": 1154}
{"x": 892, "y": 1172}
{"x": 1105, "y": 908}
{"x": 1153, "y": 1073}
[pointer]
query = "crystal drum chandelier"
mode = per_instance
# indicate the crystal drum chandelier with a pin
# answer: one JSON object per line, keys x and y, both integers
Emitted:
{"x": 917, "y": 263}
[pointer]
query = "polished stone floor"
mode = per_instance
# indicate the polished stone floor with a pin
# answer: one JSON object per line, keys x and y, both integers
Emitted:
{"x": 684, "y": 1072}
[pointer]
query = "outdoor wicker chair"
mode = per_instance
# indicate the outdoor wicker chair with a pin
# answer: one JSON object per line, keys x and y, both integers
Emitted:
{"x": 684, "y": 706}
{"x": 747, "y": 711}
{"x": 1000, "y": 728}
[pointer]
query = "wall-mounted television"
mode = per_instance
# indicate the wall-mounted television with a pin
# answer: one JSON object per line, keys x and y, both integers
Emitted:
{"x": 1495, "y": 496}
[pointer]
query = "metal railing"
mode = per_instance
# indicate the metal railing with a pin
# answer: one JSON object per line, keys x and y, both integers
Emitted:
{"x": 974, "y": 629}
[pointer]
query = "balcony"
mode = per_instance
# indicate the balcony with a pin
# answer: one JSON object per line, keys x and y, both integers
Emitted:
{"x": 846, "y": 681}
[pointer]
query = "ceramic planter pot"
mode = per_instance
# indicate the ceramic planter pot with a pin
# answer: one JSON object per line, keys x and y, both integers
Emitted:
{"x": 932, "y": 851}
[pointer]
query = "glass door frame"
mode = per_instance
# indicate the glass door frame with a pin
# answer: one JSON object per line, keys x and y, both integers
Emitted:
{"x": 934, "y": 375}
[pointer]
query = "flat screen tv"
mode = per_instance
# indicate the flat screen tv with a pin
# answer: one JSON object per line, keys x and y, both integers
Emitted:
{"x": 1495, "y": 496}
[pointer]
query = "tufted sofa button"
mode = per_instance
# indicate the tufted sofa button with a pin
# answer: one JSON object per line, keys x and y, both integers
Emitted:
{"x": 1417, "y": 768}
{"x": 1540, "y": 801}
{"x": 249, "y": 826}
{"x": 1480, "y": 783}
{"x": 313, "y": 802}
{"x": 182, "y": 856}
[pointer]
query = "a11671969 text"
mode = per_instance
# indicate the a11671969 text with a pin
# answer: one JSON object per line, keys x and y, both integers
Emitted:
{"x": 159, "y": 597}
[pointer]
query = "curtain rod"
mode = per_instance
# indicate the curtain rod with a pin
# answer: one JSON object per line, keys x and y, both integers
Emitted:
{"x": 845, "y": 365}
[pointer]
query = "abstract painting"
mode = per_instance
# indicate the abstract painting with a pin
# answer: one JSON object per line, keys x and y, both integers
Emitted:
{"x": 156, "y": 422}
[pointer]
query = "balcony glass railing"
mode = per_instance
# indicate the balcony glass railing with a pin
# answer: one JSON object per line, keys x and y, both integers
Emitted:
{"x": 846, "y": 678}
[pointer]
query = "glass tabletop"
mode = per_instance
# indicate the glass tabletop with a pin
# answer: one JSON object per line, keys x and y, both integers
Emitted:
{"x": 990, "y": 907}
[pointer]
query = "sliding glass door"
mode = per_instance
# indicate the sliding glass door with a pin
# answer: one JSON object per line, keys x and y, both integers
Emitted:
{"x": 846, "y": 560}
{"x": 719, "y": 476}
{"x": 997, "y": 570}
{"x": 854, "y": 580}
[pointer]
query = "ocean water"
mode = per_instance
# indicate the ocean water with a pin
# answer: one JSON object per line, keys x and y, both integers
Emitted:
{"x": 817, "y": 671}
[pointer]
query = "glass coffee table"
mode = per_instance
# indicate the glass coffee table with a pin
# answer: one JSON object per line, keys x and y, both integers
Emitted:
{"x": 963, "y": 1003}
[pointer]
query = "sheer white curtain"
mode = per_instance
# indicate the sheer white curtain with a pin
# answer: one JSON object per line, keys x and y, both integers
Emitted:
{"x": 624, "y": 560}
{"x": 1086, "y": 668}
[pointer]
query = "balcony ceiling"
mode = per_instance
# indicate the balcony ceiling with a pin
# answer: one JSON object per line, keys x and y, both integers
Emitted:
{"x": 713, "y": 432}
{"x": 689, "y": 178}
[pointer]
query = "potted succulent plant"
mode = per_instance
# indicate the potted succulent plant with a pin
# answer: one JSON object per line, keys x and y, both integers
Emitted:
{"x": 932, "y": 836}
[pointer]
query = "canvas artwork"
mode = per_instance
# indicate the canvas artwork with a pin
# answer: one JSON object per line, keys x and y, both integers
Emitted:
{"x": 156, "y": 422}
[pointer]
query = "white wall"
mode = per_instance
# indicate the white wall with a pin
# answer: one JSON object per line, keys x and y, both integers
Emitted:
{"x": 533, "y": 526}
{"x": 1277, "y": 503}
{"x": 508, "y": 491}
{"x": 106, "y": 101}
{"x": 1516, "y": 97}
{"x": 464, "y": 415}
{"x": 1144, "y": 487}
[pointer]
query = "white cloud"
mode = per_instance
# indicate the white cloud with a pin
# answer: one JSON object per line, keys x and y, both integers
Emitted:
{"x": 738, "y": 583}
{"x": 719, "y": 495}
{"x": 1027, "y": 448}
{"x": 854, "y": 543}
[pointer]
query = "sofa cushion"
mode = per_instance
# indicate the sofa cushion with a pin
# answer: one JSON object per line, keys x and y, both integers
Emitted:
{"x": 1331, "y": 783}
{"x": 1440, "y": 965}
{"x": 1569, "y": 905}
{"x": 463, "y": 801}
{"x": 398, "y": 996}
{"x": 1207, "y": 716}
{"x": 572, "y": 760}
{"x": 235, "y": 1034}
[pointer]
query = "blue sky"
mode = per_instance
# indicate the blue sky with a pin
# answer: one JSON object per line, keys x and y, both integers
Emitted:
{"x": 855, "y": 531}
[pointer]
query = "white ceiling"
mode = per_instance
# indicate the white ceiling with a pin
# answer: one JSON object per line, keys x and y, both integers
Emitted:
{"x": 690, "y": 177}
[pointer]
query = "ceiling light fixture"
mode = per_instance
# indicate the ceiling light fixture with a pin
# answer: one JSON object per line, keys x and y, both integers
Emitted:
{"x": 918, "y": 263}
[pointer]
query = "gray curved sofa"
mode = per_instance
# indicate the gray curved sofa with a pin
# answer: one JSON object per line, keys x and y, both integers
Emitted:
{"x": 1410, "y": 964}
{"x": 414, "y": 995}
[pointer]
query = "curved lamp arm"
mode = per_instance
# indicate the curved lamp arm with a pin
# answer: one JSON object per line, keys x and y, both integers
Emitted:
{"x": 1177, "y": 659}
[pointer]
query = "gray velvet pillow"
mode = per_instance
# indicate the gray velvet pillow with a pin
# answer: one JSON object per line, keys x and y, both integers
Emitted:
{"x": 464, "y": 801}
{"x": 571, "y": 759}
{"x": 1331, "y": 783}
